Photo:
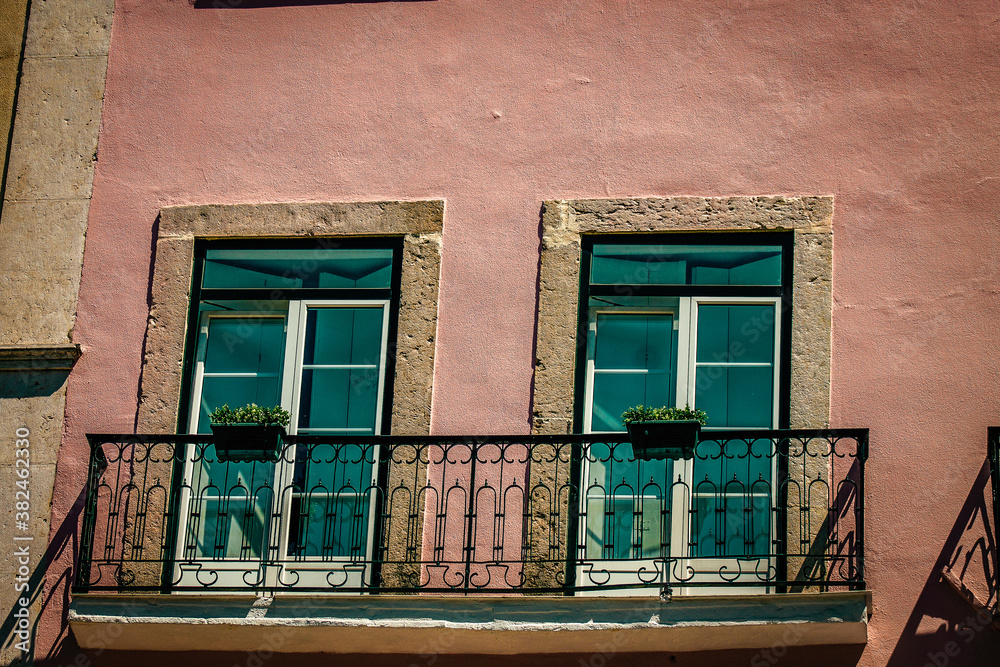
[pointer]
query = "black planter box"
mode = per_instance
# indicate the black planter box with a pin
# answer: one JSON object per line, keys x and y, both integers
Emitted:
{"x": 659, "y": 440}
{"x": 247, "y": 442}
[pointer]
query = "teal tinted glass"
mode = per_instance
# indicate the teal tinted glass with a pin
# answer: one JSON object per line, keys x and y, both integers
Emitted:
{"x": 233, "y": 502}
{"x": 242, "y": 364}
{"x": 340, "y": 378}
{"x": 733, "y": 461}
{"x": 616, "y": 392}
{"x": 736, "y": 333}
{"x": 730, "y": 525}
{"x": 735, "y": 397}
{"x": 633, "y": 365}
{"x": 330, "y": 511}
{"x": 343, "y": 336}
{"x": 331, "y": 526}
{"x": 338, "y": 400}
{"x": 244, "y": 345}
{"x": 646, "y": 264}
{"x": 628, "y": 504}
{"x": 297, "y": 268}
{"x": 634, "y": 341}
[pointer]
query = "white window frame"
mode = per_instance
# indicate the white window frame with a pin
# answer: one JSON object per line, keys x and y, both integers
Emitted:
{"x": 291, "y": 571}
{"x": 609, "y": 571}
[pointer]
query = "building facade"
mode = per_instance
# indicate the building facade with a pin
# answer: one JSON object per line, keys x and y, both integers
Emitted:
{"x": 456, "y": 241}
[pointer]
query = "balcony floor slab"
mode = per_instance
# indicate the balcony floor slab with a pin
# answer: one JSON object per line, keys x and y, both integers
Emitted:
{"x": 478, "y": 625}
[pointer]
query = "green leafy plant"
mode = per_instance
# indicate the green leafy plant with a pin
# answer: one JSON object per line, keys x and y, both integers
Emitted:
{"x": 642, "y": 413}
{"x": 251, "y": 414}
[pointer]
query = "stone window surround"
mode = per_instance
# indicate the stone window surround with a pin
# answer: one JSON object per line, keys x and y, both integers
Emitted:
{"x": 565, "y": 221}
{"x": 418, "y": 222}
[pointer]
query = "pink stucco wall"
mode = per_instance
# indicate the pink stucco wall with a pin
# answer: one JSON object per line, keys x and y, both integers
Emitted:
{"x": 496, "y": 106}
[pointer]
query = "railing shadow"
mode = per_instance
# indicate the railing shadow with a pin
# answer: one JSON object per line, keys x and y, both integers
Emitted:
{"x": 54, "y": 591}
{"x": 965, "y": 635}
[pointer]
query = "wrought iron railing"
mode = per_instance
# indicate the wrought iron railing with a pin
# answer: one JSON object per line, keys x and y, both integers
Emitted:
{"x": 775, "y": 511}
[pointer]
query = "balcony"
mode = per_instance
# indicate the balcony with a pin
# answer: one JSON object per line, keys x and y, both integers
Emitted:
{"x": 759, "y": 526}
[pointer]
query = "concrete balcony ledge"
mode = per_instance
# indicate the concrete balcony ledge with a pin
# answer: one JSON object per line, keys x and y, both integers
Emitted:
{"x": 467, "y": 625}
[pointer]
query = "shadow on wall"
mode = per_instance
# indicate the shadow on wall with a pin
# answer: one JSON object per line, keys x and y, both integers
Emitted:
{"x": 960, "y": 597}
{"x": 31, "y": 384}
{"x": 63, "y": 548}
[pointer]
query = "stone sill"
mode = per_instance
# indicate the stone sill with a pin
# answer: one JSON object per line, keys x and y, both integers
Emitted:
{"x": 467, "y": 625}
{"x": 38, "y": 357}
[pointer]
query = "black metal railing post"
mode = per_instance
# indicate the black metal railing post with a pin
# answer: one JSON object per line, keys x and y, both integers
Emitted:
{"x": 470, "y": 517}
{"x": 862, "y": 457}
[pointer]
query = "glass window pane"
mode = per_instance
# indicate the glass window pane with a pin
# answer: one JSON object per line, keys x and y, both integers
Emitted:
{"x": 645, "y": 264}
{"x": 230, "y": 508}
{"x": 244, "y": 345}
{"x": 713, "y": 334}
{"x": 711, "y": 394}
{"x": 736, "y": 333}
{"x": 751, "y": 397}
{"x": 616, "y": 392}
{"x": 338, "y": 399}
{"x": 341, "y": 336}
{"x": 734, "y": 525}
{"x": 296, "y": 268}
{"x": 735, "y": 396}
{"x": 635, "y": 341}
{"x": 330, "y": 525}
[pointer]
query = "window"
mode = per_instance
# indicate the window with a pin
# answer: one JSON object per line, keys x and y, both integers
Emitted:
{"x": 675, "y": 320}
{"x": 306, "y": 328}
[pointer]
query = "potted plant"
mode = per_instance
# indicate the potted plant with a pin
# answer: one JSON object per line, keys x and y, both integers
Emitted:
{"x": 249, "y": 433}
{"x": 663, "y": 433}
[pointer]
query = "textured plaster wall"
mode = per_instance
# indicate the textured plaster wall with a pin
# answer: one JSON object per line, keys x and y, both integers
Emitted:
{"x": 889, "y": 107}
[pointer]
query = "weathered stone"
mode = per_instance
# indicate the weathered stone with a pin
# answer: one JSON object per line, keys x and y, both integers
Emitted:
{"x": 43, "y": 235}
{"x": 69, "y": 28}
{"x": 557, "y": 335}
{"x": 34, "y": 401}
{"x": 13, "y": 14}
{"x": 38, "y": 306}
{"x": 415, "y": 339}
{"x": 548, "y": 512}
{"x": 49, "y": 179}
{"x": 309, "y": 219}
{"x": 166, "y": 329}
{"x": 52, "y": 154}
{"x": 811, "y": 330}
{"x": 41, "y": 478}
{"x": 31, "y": 358}
{"x": 694, "y": 214}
